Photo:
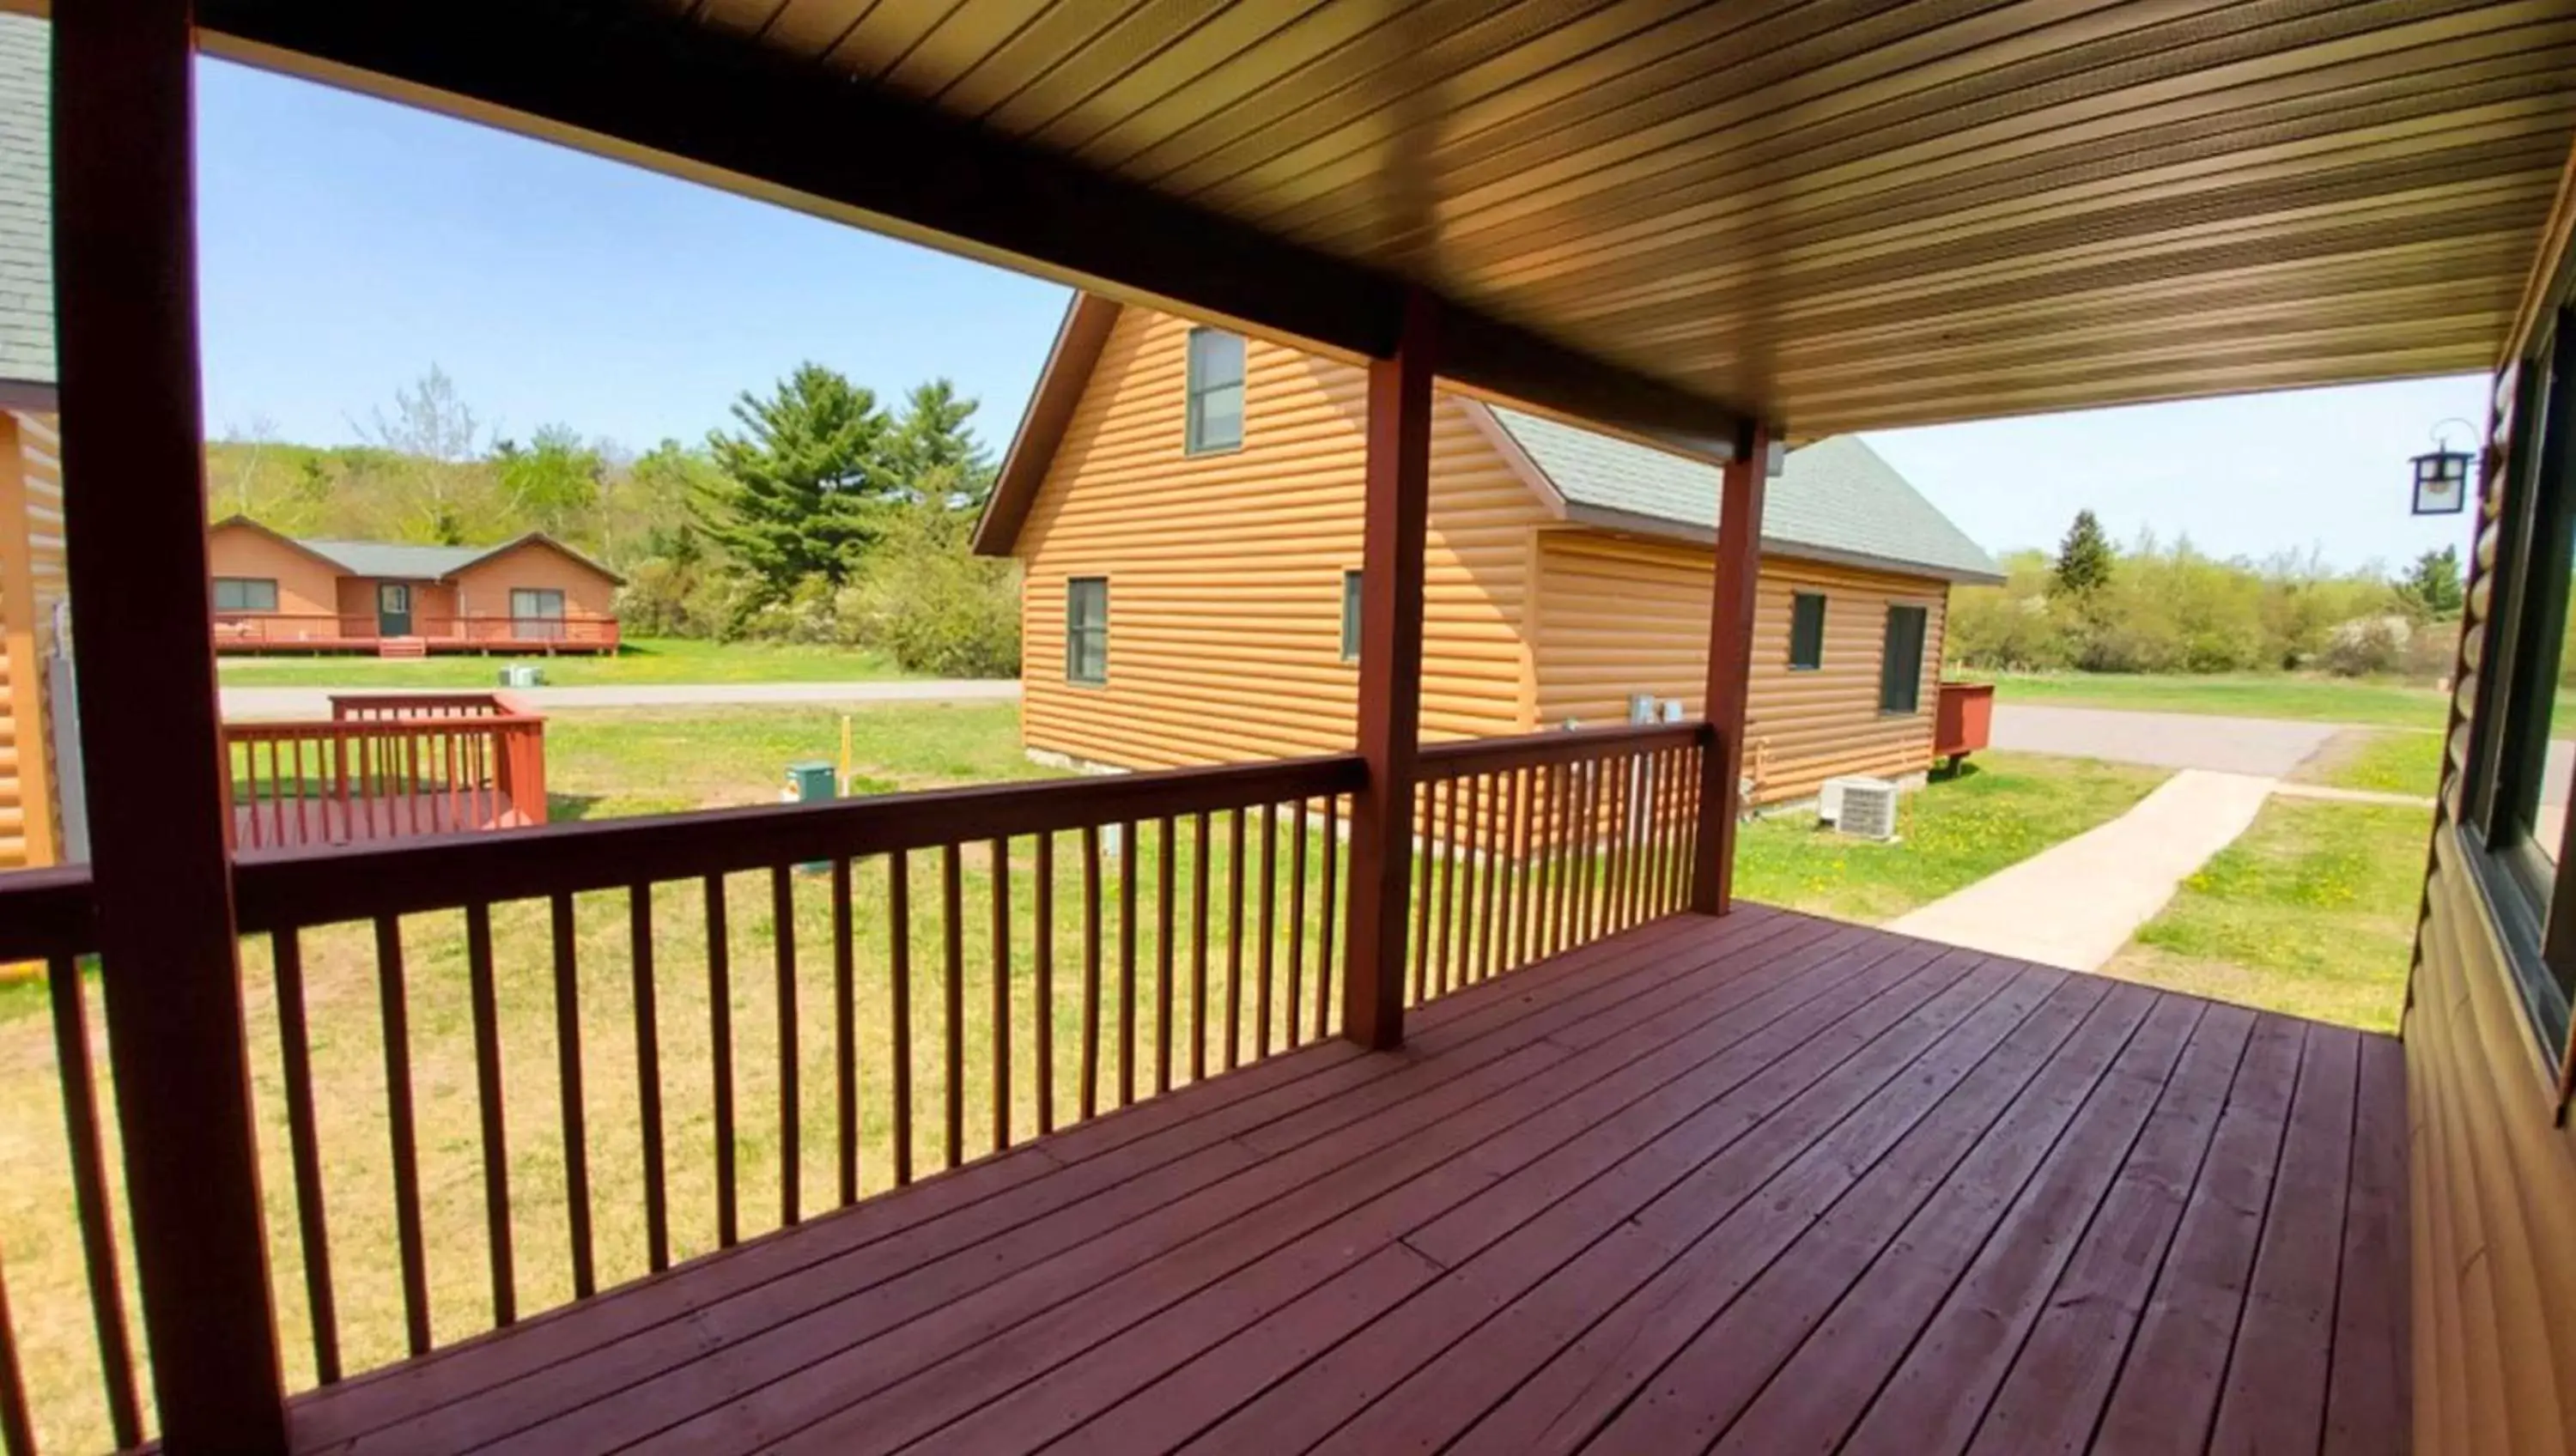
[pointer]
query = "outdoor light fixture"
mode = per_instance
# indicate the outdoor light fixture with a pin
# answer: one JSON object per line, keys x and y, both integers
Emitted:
{"x": 2442, "y": 477}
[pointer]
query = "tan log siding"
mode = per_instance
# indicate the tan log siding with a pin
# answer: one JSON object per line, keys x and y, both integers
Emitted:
{"x": 32, "y": 585}
{"x": 1225, "y": 571}
{"x": 2494, "y": 1195}
{"x": 1619, "y": 616}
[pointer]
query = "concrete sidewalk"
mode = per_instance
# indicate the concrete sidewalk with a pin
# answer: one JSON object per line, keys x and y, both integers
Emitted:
{"x": 2077, "y": 903}
{"x": 244, "y": 702}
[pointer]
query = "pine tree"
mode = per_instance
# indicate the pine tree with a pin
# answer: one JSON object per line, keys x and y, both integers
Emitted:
{"x": 2084, "y": 559}
{"x": 804, "y": 481}
{"x": 2432, "y": 590}
{"x": 935, "y": 454}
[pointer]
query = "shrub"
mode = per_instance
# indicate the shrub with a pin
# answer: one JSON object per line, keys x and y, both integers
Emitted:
{"x": 2366, "y": 645}
{"x": 924, "y": 598}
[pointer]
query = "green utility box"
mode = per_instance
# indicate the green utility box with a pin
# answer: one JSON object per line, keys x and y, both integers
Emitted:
{"x": 812, "y": 783}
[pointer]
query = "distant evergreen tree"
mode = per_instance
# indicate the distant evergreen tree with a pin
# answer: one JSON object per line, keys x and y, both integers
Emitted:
{"x": 2084, "y": 559}
{"x": 2432, "y": 589}
{"x": 805, "y": 481}
{"x": 936, "y": 455}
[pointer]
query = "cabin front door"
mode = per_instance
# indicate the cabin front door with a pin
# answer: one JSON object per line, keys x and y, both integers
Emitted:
{"x": 393, "y": 609}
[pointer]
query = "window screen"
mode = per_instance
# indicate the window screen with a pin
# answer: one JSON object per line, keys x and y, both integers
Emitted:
{"x": 1216, "y": 391}
{"x": 245, "y": 594}
{"x": 1900, "y": 672}
{"x": 1807, "y": 631}
{"x": 1086, "y": 629}
{"x": 1350, "y": 616}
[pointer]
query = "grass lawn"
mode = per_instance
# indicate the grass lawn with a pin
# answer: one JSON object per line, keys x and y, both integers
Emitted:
{"x": 2311, "y": 913}
{"x": 2003, "y": 808}
{"x": 616, "y": 763}
{"x": 2315, "y": 698}
{"x": 2397, "y": 761}
{"x": 642, "y": 660}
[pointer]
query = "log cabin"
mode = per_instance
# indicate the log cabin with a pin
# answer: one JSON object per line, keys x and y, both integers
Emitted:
{"x": 1564, "y": 1148}
{"x": 1183, "y": 502}
{"x": 33, "y": 601}
{"x": 529, "y": 594}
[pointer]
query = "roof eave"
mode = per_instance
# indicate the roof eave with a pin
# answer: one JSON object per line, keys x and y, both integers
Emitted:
{"x": 1635, "y": 523}
{"x": 1079, "y": 339}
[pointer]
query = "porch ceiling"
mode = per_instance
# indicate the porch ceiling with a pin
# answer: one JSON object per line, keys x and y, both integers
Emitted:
{"x": 1835, "y": 214}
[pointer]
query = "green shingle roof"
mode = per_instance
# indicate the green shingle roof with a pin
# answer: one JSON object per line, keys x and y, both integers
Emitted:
{"x": 388, "y": 558}
{"x": 1835, "y": 501}
{"x": 26, "y": 204}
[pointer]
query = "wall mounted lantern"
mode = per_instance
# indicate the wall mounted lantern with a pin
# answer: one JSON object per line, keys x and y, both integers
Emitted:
{"x": 2442, "y": 476}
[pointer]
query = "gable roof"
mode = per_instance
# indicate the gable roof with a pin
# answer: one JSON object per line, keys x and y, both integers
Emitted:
{"x": 26, "y": 215}
{"x": 1835, "y": 500}
{"x": 401, "y": 561}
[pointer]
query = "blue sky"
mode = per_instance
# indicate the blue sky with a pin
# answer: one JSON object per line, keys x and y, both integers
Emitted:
{"x": 348, "y": 244}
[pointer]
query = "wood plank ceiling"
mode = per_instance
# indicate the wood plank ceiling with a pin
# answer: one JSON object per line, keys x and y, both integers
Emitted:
{"x": 1840, "y": 214}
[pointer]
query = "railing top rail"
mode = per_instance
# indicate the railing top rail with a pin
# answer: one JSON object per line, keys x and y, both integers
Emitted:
{"x": 458, "y": 725}
{"x": 46, "y": 913}
{"x": 1486, "y": 755}
{"x": 285, "y": 888}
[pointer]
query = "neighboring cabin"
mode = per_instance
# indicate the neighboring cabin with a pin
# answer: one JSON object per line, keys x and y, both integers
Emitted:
{"x": 33, "y": 590}
{"x": 1186, "y": 503}
{"x": 276, "y": 593}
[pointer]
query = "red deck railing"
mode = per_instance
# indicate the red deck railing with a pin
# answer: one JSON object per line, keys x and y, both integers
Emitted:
{"x": 957, "y": 972}
{"x": 388, "y": 766}
{"x": 248, "y": 631}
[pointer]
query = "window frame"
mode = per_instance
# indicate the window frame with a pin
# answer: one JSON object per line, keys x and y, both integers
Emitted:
{"x": 1194, "y": 390}
{"x": 1351, "y": 588}
{"x": 1811, "y": 635}
{"x": 216, "y": 594}
{"x": 1076, "y": 631}
{"x": 1888, "y": 658}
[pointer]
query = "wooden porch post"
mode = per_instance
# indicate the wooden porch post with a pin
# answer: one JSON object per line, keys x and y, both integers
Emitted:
{"x": 1397, "y": 515}
{"x": 1730, "y": 664}
{"x": 125, "y": 265}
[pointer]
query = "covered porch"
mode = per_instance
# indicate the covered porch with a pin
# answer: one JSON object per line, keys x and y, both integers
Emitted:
{"x": 1764, "y": 1183}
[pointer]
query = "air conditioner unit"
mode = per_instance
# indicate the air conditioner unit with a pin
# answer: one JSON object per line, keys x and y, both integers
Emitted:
{"x": 1865, "y": 807}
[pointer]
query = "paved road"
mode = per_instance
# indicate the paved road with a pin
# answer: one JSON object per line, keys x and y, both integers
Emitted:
{"x": 2264, "y": 747}
{"x": 243, "y": 702}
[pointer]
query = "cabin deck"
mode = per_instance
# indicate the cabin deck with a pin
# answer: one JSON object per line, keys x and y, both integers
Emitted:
{"x": 1763, "y": 1184}
{"x": 377, "y": 818}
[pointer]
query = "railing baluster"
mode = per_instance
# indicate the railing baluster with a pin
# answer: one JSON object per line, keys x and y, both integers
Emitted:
{"x": 899, "y": 991}
{"x": 1492, "y": 790}
{"x": 576, "y": 1136}
{"x": 1426, "y": 814}
{"x": 1562, "y": 926}
{"x": 393, "y": 1005}
{"x": 791, "y": 1051}
{"x": 1269, "y": 927}
{"x": 17, "y": 1430}
{"x": 1328, "y": 926}
{"x": 1614, "y": 853}
{"x": 720, "y": 1038}
{"x": 1296, "y": 923}
{"x": 845, "y": 1028}
{"x": 1090, "y": 1088}
{"x": 304, "y": 1150}
{"x": 648, "y": 1075}
{"x": 1234, "y": 942}
{"x": 1042, "y": 989}
{"x": 953, "y": 1001}
{"x": 1164, "y": 869}
{"x": 1443, "y": 852}
{"x": 1001, "y": 1029}
{"x": 487, "y": 1096}
{"x": 1127, "y": 853}
{"x": 1198, "y": 946}
{"x": 90, "y": 1198}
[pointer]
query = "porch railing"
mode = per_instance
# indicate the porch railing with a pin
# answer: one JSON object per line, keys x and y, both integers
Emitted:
{"x": 482, "y": 629}
{"x": 388, "y": 766}
{"x": 498, "y": 1073}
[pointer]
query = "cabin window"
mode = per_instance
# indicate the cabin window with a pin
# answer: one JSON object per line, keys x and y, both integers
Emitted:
{"x": 1900, "y": 672}
{"x": 1215, "y": 392}
{"x": 1086, "y": 629}
{"x": 2515, "y": 810}
{"x": 537, "y": 612}
{"x": 1350, "y": 616}
{"x": 245, "y": 594}
{"x": 1806, "y": 631}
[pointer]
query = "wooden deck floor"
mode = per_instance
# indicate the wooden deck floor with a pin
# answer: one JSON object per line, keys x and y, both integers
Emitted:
{"x": 1768, "y": 1184}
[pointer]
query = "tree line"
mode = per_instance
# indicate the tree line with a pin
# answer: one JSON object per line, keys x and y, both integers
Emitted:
{"x": 818, "y": 515}
{"x": 2165, "y": 607}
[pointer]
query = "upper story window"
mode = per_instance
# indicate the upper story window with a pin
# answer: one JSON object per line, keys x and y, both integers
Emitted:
{"x": 1215, "y": 392}
{"x": 1086, "y": 630}
{"x": 245, "y": 594}
{"x": 1900, "y": 672}
{"x": 1806, "y": 631}
{"x": 1350, "y": 616}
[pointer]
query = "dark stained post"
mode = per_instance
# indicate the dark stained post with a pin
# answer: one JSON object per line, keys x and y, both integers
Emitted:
{"x": 1730, "y": 665}
{"x": 125, "y": 265}
{"x": 1397, "y": 516}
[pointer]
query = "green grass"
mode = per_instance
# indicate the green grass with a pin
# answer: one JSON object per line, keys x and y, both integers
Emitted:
{"x": 2393, "y": 762}
{"x": 612, "y": 764}
{"x": 2003, "y": 808}
{"x": 641, "y": 660}
{"x": 2313, "y": 698}
{"x": 2310, "y": 913}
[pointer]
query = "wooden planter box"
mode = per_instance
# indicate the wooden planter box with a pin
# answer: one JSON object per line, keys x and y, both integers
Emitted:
{"x": 1964, "y": 720}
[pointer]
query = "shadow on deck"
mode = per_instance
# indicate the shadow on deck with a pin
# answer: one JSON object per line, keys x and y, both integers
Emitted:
{"x": 1766, "y": 1184}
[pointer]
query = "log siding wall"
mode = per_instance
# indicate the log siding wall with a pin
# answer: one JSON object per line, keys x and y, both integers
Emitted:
{"x": 1225, "y": 590}
{"x": 32, "y": 586}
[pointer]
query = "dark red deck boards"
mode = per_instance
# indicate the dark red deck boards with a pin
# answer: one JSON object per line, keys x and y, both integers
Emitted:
{"x": 1767, "y": 1184}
